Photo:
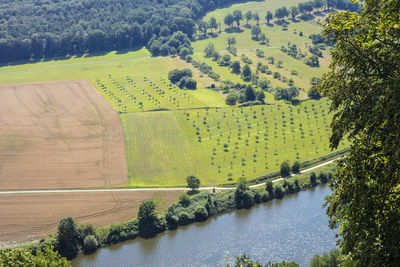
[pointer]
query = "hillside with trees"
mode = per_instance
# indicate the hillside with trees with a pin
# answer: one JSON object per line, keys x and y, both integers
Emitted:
{"x": 39, "y": 29}
{"x": 35, "y": 29}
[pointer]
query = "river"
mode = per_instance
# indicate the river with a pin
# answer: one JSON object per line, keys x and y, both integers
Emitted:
{"x": 294, "y": 228}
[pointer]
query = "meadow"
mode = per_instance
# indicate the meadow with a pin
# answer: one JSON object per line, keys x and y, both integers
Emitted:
{"x": 220, "y": 145}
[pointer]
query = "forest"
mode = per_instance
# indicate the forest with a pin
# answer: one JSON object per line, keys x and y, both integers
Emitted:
{"x": 36, "y": 29}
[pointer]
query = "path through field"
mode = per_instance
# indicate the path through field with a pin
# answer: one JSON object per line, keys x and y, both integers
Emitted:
{"x": 28, "y": 192}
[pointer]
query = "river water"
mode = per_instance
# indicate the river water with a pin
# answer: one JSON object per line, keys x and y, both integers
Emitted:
{"x": 294, "y": 228}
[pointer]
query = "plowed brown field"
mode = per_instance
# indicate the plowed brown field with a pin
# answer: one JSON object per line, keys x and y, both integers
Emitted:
{"x": 31, "y": 217}
{"x": 59, "y": 135}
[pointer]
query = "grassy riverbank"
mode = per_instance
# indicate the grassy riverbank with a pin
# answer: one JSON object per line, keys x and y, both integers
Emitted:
{"x": 192, "y": 206}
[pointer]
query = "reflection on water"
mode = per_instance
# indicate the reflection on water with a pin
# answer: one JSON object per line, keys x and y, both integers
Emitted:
{"x": 294, "y": 228}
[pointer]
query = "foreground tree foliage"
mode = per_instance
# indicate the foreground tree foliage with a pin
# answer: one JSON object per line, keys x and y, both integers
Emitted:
{"x": 364, "y": 86}
{"x": 24, "y": 257}
{"x": 246, "y": 261}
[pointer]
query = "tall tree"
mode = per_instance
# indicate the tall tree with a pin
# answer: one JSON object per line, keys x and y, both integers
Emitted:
{"x": 147, "y": 217}
{"x": 67, "y": 237}
{"x": 269, "y": 16}
{"x": 363, "y": 84}
{"x": 257, "y": 17}
{"x": 249, "y": 16}
{"x": 255, "y": 31}
{"x": 249, "y": 93}
{"x": 228, "y": 20}
{"x": 193, "y": 182}
{"x": 294, "y": 11}
{"x": 237, "y": 16}
{"x": 231, "y": 42}
{"x": 212, "y": 23}
{"x": 203, "y": 27}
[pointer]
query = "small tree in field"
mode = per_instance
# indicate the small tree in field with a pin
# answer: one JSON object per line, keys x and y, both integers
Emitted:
{"x": 193, "y": 182}
{"x": 285, "y": 169}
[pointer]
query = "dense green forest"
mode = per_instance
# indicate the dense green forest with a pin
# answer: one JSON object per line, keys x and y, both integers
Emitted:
{"x": 33, "y": 29}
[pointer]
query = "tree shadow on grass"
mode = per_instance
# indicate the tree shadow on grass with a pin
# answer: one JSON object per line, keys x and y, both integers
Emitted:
{"x": 76, "y": 55}
{"x": 233, "y": 30}
{"x": 307, "y": 17}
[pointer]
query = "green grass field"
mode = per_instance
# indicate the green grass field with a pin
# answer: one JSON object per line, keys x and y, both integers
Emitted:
{"x": 222, "y": 145}
{"x": 216, "y": 142}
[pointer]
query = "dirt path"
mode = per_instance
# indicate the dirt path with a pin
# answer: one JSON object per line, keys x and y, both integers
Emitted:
{"x": 29, "y": 192}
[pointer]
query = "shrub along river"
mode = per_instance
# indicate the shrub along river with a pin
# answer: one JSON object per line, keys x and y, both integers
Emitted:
{"x": 294, "y": 228}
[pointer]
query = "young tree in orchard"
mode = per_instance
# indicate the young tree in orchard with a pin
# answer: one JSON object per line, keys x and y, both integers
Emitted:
{"x": 237, "y": 16}
{"x": 228, "y": 20}
{"x": 269, "y": 16}
{"x": 193, "y": 182}
{"x": 249, "y": 16}
{"x": 363, "y": 85}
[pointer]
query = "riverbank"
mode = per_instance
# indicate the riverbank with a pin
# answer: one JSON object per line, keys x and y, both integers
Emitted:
{"x": 294, "y": 228}
{"x": 192, "y": 207}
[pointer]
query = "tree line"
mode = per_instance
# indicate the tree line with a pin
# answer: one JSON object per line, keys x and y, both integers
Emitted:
{"x": 39, "y": 29}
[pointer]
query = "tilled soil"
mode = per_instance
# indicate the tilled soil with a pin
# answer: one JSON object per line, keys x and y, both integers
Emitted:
{"x": 57, "y": 135}
{"x": 31, "y": 217}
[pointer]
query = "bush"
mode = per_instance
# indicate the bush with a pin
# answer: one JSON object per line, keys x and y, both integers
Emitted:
{"x": 313, "y": 179}
{"x": 190, "y": 83}
{"x": 171, "y": 219}
{"x": 323, "y": 177}
{"x": 184, "y": 199}
{"x": 176, "y": 75}
{"x": 285, "y": 169}
{"x": 90, "y": 244}
{"x": 184, "y": 218}
{"x": 200, "y": 213}
{"x": 231, "y": 99}
{"x": 269, "y": 187}
{"x": 296, "y": 167}
{"x": 279, "y": 192}
{"x": 264, "y": 196}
